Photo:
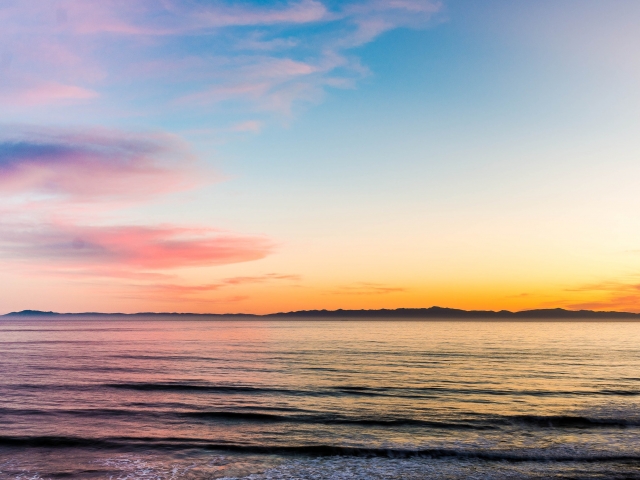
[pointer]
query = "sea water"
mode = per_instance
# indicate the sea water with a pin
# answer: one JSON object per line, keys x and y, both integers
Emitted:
{"x": 149, "y": 398}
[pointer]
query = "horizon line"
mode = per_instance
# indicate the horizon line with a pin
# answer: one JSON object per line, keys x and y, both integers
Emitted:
{"x": 433, "y": 311}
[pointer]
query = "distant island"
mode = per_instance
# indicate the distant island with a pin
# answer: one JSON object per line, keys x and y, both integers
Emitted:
{"x": 399, "y": 313}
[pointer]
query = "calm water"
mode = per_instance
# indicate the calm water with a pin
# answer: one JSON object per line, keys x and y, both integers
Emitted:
{"x": 312, "y": 399}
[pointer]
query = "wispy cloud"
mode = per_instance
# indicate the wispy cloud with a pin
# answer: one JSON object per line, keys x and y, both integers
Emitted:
{"x": 174, "y": 17}
{"x": 49, "y": 175}
{"x": 172, "y": 292}
{"x": 251, "y": 57}
{"x": 614, "y": 295}
{"x": 127, "y": 248}
{"x": 45, "y": 93}
{"x": 248, "y": 126}
{"x": 367, "y": 288}
{"x": 92, "y": 164}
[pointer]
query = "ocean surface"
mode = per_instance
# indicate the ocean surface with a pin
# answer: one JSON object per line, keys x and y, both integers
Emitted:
{"x": 136, "y": 398}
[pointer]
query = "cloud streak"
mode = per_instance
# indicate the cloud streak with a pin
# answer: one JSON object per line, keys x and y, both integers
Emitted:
{"x": 128, "y": 249}
{"x": 173, "y": 292}
{"x": 46, "y": 93}
{"x": 191, "y": 53}
{"x": 173, "y": 17}
{"x": 49, "y": 175}
{"x": 617, "y": 296}
{"x": 367, "y": 288}
{"x": 92, "y": 165}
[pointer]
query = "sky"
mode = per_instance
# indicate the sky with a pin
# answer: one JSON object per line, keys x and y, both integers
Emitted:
{"x": 265, "y": 156}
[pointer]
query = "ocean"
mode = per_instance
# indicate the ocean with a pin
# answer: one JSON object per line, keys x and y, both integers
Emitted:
{"x": 169, "y": 398}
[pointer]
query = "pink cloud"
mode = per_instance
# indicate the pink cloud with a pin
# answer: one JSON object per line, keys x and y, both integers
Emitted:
{"x": 128, "y": 249}
{"x": 248, "y": 126}
{"x": 87, "y": 170}
{"x": 270, "y": 84}
{"x": 254, "y": 78}
{"x": 280, "y": 68}
{"x": 92, "y": 164}
{"x": 46, "y": 93}
{"x": 305, "y": 11}
{"x": 375, "y": 17}
{"x": 152, "y": 18}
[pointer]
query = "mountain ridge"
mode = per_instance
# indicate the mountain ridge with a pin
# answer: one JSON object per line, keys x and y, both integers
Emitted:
{"x": 434, "y": 312}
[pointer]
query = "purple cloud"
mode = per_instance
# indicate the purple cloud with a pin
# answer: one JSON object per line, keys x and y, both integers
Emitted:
{"x": 102, "y": 166}
{"x": 126, "y": 250}
{"x": 93, "y": 164}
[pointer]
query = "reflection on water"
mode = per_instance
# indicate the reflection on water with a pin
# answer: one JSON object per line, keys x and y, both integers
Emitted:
{"x": 142, "y": 398}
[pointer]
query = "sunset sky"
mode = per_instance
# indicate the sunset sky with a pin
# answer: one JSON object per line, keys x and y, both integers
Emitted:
{"x": 212, "y": 156}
